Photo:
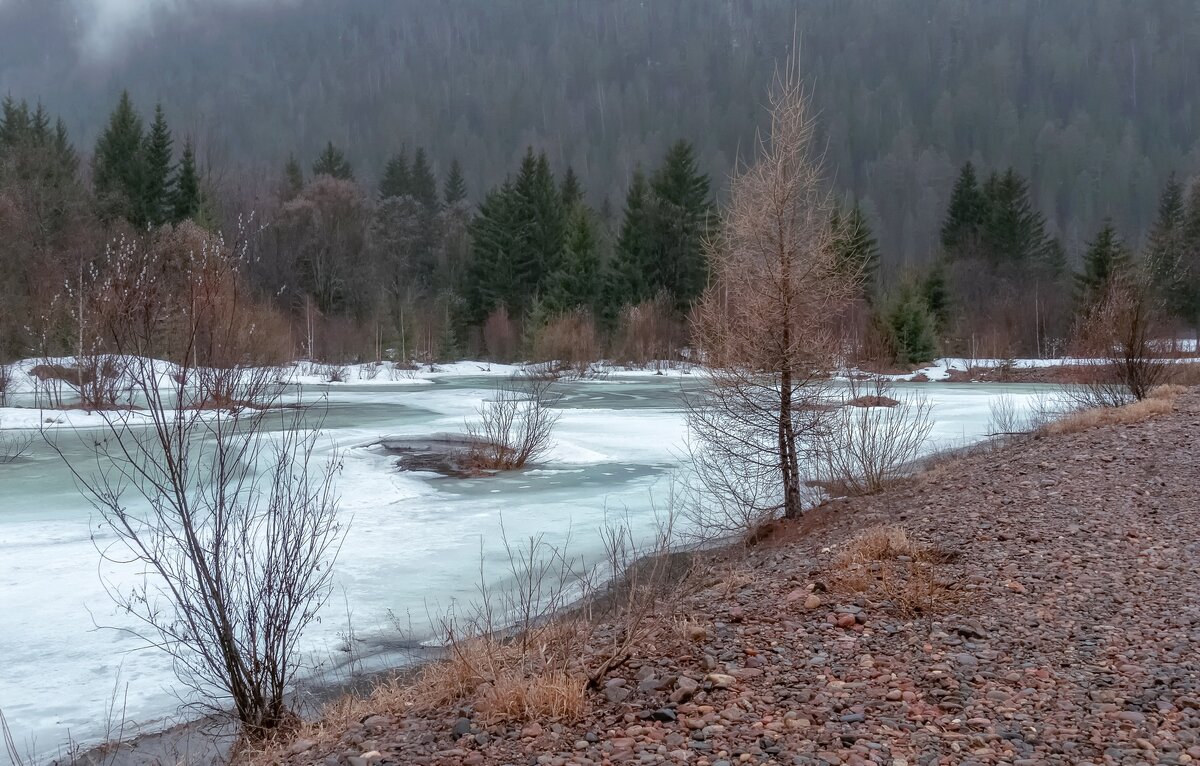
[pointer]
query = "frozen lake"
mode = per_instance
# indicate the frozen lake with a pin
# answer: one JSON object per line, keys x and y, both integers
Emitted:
{"x": 415, "y": 545}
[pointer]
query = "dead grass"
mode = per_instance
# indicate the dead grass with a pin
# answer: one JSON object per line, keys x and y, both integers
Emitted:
{"x": 1160, "y": 402}
{"x": 904, "y": 577}
{"x": 887, "y": 543}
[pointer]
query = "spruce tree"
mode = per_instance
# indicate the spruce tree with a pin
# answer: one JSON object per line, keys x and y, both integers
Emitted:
{"x": 397, "y": 179}
{"x": 1165, "y": 249}
{"x": 185, "y": 197}
{"x": 454, "y": 190}
{"x": 576, "y": 283}
{"x": 154, "y": 207}
{"x": 293, "y": 179}
{"x": 423, "y": 182}
{"x": 541, "y": 226}
{"x": 1013, "y": 233}
{"x": 1187, "y": 302}
{"x": 572, "y": 191}
{"x": 911, "y": 327}
{"x": 117, "y": 163}
{"x": 332, "y": 162}
{"x": 633, "y": 266}
{"x": 965, "y": 216}
{"x": 857, "y": 250}
{"x": 682, "y": 211}
{"x": 1107, "y": 260}
{"x": 490, "y": 279}
{"x": 936, "y": 294}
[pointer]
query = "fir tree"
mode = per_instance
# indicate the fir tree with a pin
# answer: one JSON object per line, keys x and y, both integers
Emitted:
{"x": 1187, "y": 299}
{"x": 332, "y": 162}
{"x": 966, "y": 215}
{"x": 185, "y": 197}
{"x": 154, "y": 207}
{"x": 397, "y": 178}
{"x": 117, "y": 165}
{"x": 1106, "y": 261}
{"x": 293, "y": 179}
{"x": 454, "y": 190}
{"x": 423, "y": 184}
{"x": 682, "y": 209}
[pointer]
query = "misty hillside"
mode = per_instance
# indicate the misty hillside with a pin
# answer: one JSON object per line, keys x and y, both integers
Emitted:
{"x": 1094, "y": 102}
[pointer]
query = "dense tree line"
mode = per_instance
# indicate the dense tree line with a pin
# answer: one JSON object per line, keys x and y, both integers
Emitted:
{"x": 411, "y": 268}
{"x": 1093, "y": 103}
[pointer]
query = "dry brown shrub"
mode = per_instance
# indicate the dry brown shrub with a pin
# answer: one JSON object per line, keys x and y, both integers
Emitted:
{"x": 568, "y": 339}
{"x": 648, "y": 332}
{"x": 500, "y": 336}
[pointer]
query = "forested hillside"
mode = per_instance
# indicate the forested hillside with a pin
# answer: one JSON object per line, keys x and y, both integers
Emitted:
{"x": 1095, "y": 103}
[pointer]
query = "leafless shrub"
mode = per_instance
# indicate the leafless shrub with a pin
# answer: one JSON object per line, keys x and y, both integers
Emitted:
{"x": 1120, "y": 330}
{"x": 766, "y": 326}
{"x": 514, "y": 427}
{"x": 14, "y": 446}
{"x": 870, "y": 446}
{"x": 15, "y": 756}
{"x": 333, "y": 373}
{"x": 648, "y": 333}
{"x": 500, "y": 336}
{"x": 236, "y": 529}
{"x": 567, "y": 346}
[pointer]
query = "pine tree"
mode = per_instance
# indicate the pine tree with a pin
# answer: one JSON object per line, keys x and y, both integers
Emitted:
{"x": 332, "y": 162}
{"x": 572, "y": 191}
{"x": 634, "y": 259}
{"x": 1187, "y": 302}
{"x": 423, "y": 182}
{"x": 154, "y": 207}
{"x": 1106, "y": 261}
{"x": 965, "y": 216}
{"x": 397, "y": 178}
{"x": 682, "y": 210}
{"x": 185, "y": 197}
{"x": 293, "y": 179}
{"x": 117, "y": 163}
{"x": 454, "y": 190}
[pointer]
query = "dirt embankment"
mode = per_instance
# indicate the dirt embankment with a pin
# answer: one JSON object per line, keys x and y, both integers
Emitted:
{"x": 1034, "y": 604}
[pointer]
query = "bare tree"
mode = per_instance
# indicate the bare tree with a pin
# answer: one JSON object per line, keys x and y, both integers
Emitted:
{"x": 1120, "y": 331}
{"x": 766, "y": 325}
{"x": 515, "y": 427}
{"x": 223, "y": 511}
{"x": 875, "y": 437}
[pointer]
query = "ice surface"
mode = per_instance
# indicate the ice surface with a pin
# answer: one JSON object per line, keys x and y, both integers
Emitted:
{"x": 416, "y": 543}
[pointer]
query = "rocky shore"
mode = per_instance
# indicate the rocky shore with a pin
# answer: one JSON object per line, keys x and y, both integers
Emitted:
{"x": 1035, "y": 603}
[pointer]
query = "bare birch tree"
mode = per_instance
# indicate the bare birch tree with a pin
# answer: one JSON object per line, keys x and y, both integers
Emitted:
{"x": 766, "y": 326}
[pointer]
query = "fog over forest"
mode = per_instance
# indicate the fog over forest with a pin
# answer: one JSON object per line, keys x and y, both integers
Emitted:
{"x": 1094, "y": 103}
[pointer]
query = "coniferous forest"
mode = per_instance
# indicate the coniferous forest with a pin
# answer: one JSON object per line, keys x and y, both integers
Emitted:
{"x": 507, "y": 178}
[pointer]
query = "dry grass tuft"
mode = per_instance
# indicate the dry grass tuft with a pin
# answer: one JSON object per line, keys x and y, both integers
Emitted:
{"x": 887, "y": 543}
{"x": 1134, "y": 412}
{"x": 891, "y": 569}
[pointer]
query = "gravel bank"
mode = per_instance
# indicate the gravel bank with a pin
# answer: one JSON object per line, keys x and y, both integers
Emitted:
{"x": 1062, "y": 627}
